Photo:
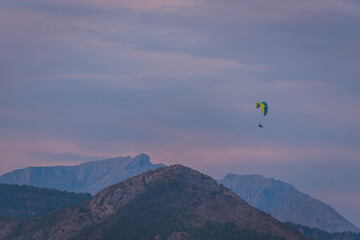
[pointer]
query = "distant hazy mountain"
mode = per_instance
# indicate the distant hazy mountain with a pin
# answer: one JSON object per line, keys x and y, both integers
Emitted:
{"x": 317, "y": 234}
{"x": 28, "y": 201}
{"x": 89, "y": 177}
{"x": 284, "y": 202}
{"x": 174, "y": 203}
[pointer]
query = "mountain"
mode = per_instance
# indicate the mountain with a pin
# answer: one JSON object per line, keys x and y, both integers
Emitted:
{"x": 89, "y": 177}
{"x": 28, "y": 201}
{"x": 171, "y": 203}
{"x": 317, "y": 234}
{"x": 285, "y": 203}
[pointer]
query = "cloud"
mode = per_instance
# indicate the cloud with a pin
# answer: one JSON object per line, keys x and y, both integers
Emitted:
{"x": 20, "y": 153}
{"x": 149, "y": 5}
{"x": 105, "y": 5}
{"x": 64, "y": 156}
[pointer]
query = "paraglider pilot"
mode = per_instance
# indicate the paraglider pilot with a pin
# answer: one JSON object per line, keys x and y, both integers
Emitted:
{"x": 264, "y": 108}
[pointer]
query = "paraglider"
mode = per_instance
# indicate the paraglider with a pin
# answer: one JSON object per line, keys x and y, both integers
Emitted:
{"x": 264, "y": 108}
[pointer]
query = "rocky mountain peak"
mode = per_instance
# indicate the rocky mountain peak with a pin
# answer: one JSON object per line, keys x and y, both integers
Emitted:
{"x": 89, "y": 177}
{"x": 140, "y": 160}
{"x": 284, "y": 202}
{"x": 142, "y": 157}
{"x": 200, "y": 195}
{"x": 173, "y": 202}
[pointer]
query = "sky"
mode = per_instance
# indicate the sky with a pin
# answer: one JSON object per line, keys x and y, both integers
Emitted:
{"x": 179, "y": 80}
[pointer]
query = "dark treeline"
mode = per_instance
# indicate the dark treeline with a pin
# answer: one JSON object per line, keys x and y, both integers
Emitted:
{"x": 317, "y": 234}
{"x": 29, "y": 201}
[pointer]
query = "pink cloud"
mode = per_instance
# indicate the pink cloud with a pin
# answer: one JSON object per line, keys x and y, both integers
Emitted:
{"x": 18, "y": 153}
{"x": 288, "y": 11}
{"x": 36, "y": 27}
{"x": 149, "y": 5}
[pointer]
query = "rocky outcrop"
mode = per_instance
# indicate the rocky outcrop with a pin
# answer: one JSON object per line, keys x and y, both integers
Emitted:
{"x": 89, "y": 177}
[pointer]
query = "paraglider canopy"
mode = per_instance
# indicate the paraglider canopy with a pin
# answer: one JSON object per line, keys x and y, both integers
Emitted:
{"x": 263, "y": 106}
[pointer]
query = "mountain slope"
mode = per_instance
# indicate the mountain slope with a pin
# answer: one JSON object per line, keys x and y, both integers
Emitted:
{"x": 169, "y": 203}
{"x": 284, "y": 202}
{"x": 28, "y": 201}
{"x": 89, "y": 177}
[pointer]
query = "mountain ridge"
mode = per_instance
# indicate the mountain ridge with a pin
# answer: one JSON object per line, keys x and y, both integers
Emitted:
{"x": 96, "y": 175}
{"x": 183, "y": 199}
{"x": 286, "y": 203}
{"x": 89, "y": 177}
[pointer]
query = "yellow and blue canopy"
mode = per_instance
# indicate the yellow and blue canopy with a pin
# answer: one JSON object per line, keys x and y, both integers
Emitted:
{"x": 263, "y": 106}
